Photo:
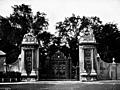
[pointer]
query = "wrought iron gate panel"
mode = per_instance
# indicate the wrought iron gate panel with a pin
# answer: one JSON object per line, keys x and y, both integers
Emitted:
{"x": 59, "y": 66}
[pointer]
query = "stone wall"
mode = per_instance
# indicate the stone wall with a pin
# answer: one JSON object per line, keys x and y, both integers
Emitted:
{"x": 15, "y": 66}
{"x": 118, "y": 71}
{"x": 103, "y": 70}
{"x": 108, "y": 71}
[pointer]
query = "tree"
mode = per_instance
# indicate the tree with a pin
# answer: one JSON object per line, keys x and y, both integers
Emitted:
{"x": 45, "y": 40}
{"x": 24, "y": 19}
{"x": 70, "y": 29}
{"x": 14, "y": 27}
{"x": 107, "y": 36}
{"x": 56, "y": 45}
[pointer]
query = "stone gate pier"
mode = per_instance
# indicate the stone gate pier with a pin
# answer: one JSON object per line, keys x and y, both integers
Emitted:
{"x": 29, "y": 57}
{"x": 87, "y": 56}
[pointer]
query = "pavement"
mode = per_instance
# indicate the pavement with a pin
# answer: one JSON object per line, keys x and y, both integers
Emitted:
{"x": 62, "y": 85}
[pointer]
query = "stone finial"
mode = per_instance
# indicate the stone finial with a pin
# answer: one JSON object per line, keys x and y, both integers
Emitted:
{"x": 113, "y": 61}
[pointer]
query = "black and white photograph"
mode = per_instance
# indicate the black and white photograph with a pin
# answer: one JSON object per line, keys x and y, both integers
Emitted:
{"x": 59, "y": 44}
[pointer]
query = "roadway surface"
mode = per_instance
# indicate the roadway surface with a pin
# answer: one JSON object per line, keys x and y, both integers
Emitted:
{"x": 62, "y": 85}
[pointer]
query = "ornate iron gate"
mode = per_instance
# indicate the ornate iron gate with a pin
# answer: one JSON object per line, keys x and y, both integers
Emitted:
{"x": 59, "y": 66}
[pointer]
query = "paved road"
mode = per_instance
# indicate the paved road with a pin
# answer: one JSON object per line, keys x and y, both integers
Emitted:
{"x": 63, "y": 85}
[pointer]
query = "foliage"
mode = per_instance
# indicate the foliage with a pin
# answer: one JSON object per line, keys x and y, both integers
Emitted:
{"x": 24, "y": 20}
{"x": 70, "y": 30}
{"x": 106, "y": 35}
{"x": 20, "y": 22}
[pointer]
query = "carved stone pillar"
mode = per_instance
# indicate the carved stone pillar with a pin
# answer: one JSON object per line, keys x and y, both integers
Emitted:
{"x": 87, "y": 49}
{"x": 92, "y": 62}
{"x": 29, "y": 57}
{"x": 33, "y": 70}
{"x": 81, "y": 63}
{"x": 86, "y": 62}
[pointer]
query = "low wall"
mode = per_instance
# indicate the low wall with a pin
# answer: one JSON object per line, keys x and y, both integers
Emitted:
{"x": 108, "y": 71}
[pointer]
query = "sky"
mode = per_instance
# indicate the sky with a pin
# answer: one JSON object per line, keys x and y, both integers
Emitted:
{"x": 57, "y": 10}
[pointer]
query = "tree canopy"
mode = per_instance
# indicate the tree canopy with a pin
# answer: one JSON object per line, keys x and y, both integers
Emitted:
{"x": 106, "y": 35}
{"x": 14, "y": 27}
{"x": 22, "y": 21}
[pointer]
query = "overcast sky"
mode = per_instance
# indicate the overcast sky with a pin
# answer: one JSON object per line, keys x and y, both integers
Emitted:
{"x": 57, "y": 10}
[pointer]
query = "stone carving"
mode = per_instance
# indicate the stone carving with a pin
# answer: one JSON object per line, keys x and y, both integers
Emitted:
{"x": 87, "y": 56}
{"x": 28, "y": 61}
{"x": 29, "y": 57}
{"x": 86, "y": 35}
{"x": 29, "y": 38}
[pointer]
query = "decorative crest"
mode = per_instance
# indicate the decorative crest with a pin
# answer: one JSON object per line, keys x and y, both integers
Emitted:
{"x": 87, "y": 36}
{"x": 29, "y": 38}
